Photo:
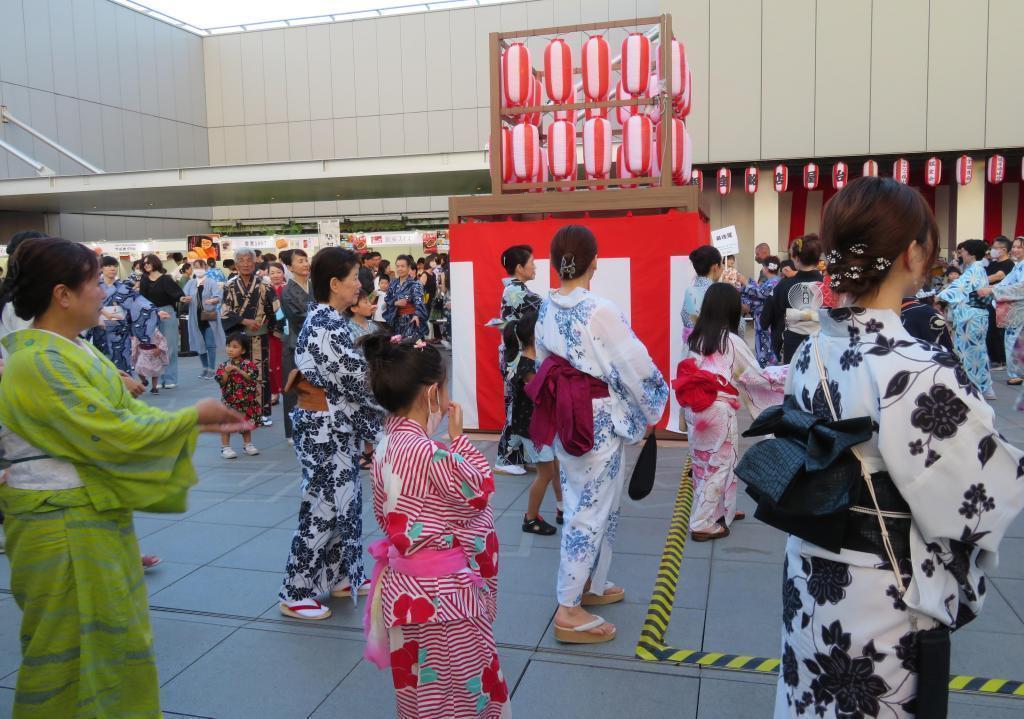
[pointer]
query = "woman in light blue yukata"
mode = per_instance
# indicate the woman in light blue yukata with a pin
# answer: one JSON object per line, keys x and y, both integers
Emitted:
{"x": 596, "y": 390}
{"x": 970, "y": 320}
{"x": 707, "y": 263}
{"x": 1011, "y": 289}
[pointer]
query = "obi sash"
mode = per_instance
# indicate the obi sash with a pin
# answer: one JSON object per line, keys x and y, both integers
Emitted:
{"x": 406, "y": 310}
{"x": 562, "y": 397}
{"x": 697, "y": 388}
{"x": 310, "y": 397}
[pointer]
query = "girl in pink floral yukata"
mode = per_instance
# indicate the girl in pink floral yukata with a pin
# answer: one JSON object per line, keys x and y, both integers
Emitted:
{"x": 708, "y": 385}
{"x": 434, "y": 593}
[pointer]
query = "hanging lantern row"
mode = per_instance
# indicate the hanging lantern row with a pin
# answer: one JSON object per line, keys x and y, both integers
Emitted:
{"x": 933, "y": 172}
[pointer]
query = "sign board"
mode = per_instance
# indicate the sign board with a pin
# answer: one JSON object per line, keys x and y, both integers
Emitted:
{"x": 726, "y": 240}
{"x": 329, "y": 233}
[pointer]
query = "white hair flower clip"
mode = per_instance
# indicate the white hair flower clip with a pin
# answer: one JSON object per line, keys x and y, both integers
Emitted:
{"x": 567, "y": 268}
{"x": 858, "y": 249}
{"x": 882, "y": 263}
{"x": 833, "y": 257}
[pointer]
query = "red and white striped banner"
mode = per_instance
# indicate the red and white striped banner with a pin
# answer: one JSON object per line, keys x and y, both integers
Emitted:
{"x": 637, "y": 136}
{"x": 562, "y": 149}
{"x": 517, "y": 74}
{"x": 724, "y": 180}
{"x": 811, "y": 176}
{"x": 840, "y": 175}
{"x": 680, "y": 68}
{"x": 933, "y": 172}
{"x": 597, "y": 147}
{"x": 558, "y": 71}
{"x": 750, "y": 180}
{"x": 781, "y": 178}
{"x": 635, "y": 67}
{"x": 870, "y": 169}
{"x": 597, "y": 69}
{"x": 526, "y": 152}
{"x": 995, "y": 173}
{"x": 697, "y": 178}
{"x": 901, "y": 171}
{"x": 964, "y": 170}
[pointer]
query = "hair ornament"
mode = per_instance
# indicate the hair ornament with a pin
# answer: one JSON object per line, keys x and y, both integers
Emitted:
{"x": 833, "y": 257}
{"x": 859, "y": 248}
{"x": 420, "y": 344}
{"x": 567, "y": 268}
{"x": 396, "y": 339}
{"x": 772, "y": 266}
{"x": 882, "y": 263}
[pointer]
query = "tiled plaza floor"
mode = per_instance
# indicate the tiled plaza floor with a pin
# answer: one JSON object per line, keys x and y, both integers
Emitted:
{"x": 224, "y": 651}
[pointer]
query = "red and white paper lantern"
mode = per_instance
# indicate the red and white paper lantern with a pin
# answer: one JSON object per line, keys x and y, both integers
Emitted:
{"x": 995, "y": 173}
{"x": 541, "y": 173}
{"x": 532, "y": 100}
{"x": 505, "y": 154}
{"x": 569, "y": 115}
{"x": 680, "y": 68}
{"x": 901, "y": 171}
{"x": 635, "y": 63}
{"x": 964, "y": 170}
{"x": 627, "y": 111}
{"x": 562, "y": 149}
{"x": 526, "y": 154}
{"x": 933, "y": 172}
{"x": 840, "y": 175}
{"x": 681, "y": 153}
{"x": 750, "y": 180}
{"x": 558, "y": 71}
{"x": 517, "y": 74}
{"x": 870, "y": 169}
{"x": 781, "y": 178}
{"x": 654, "y": 111}
{"x": 637, "y": 136}
{"x": 724, "y": 181}
{"x": 811, "y": 176}
{"x": 697, "y": 178}
{"x": 597, "y": 147}
{"x": 621, "y": 169}
{"x": 682, "y": 104}
{"x": 597, "y": 69}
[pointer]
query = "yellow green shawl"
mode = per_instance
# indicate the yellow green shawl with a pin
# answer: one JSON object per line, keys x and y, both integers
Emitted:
{"x": 70, "y": 403}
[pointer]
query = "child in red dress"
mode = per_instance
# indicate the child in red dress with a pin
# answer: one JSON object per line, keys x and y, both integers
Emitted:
{"x": 238, "y": 385}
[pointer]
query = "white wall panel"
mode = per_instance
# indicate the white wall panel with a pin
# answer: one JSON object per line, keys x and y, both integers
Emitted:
{"x": 318, "y": 52}
{"x": 234, "y": 145}
{"x": 255, "y": 143}
{"x": 439, "y": 61}
{"x": 196, "y": 86}
{"x": 439, "y": 131}
{"x": 413, "y": 50}
{"x": 463, "y": 59}
{"x": 106, "y": 49}
{"x": 62, "y": 48}
{"x": 345, "y": 139}
{"x": 368, "y": 136}
{"x": 128, "y": 61}
{"x": 92, "y": 133}
{"x": 392, "y": 135}
{"x": 389, "y": 65}
{"x": 299, "y": 141}
{"x": 151, "y": 141}
{"x": 735, "y": 81}
{"x": 212, "y": 77}
{"x": 42, "y": 116}
{"x": 134, "y": 156}
{"x": 952, "y": 85}
{"x": 164, "y": 70}
{"x": 367, "y": 89}
{"x": 488, "y": 20}
{"x": 274, "y": 75}
{"x": 201, "y": 140}
{"x": 38, "y": 45}
{"x": 13, "y": 63}
{"x": 899, "y": 76}
{"x": 296, "y": 75}
{"x": 168, "y": 144}
{"x": 69, "y": 132}
{"x": 514, "y": 16}
{"x": 113, "y": 139}
{"x": 233, "y": 103}
{"x": 277, "y": 142}
{"x": 842, "y": 99}
{"x": 186, "y": 150}
{"x": 254, "y": 101}
{"x": 1004, "y": 105}
{"x": 415, "y": 124}
{"x": 343, "y": 83}
{"x": 787, "y": 72}
{"x": 182, "y": 94}
{"x": 464, "y": 131}
{"x": 691, "y": 22}
{"x": 322, "y": 139}
{"x": 149, "y": 99}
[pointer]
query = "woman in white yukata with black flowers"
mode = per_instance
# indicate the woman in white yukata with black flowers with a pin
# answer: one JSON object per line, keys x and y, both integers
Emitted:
{"x": 855, "y": 640}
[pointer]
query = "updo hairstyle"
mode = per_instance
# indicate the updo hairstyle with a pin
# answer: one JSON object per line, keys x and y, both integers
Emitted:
{"x": 398, "y": 369}
{"x": 573, "y": 249}
{"x": 515, "y": 256}
{"x": 806, "y": 250}
{"x": 39, "y": 265}
{"x": 867, "y": 225}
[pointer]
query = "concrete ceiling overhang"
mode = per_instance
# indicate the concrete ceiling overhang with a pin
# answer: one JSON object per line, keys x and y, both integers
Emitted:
{"x": 457, "y": 173}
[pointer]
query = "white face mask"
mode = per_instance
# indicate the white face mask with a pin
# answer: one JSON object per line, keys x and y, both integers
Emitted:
{"x": 434, "y": 417}
{"x": 200, "y": 274}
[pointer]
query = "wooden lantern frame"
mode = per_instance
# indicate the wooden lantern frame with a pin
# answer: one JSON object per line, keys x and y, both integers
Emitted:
{"x": 515, "y": 198}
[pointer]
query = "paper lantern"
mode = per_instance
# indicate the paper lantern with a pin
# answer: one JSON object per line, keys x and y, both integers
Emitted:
{"x": 505, "y": 154}
{"x": 750, "y": 180}
{"x": 682, "y": 105}
{"x": 933, "y": 172}
{"x": 781, "y": 179}
{"x": 653, "y": 88}
{"x": 996, "y": 170}
{"x": 569, "y": 115}
{"x": 541, "y": 172}
{"x": 636, "y": 144}
{"x": 558, "y": 71}
{"x": 680, "y": 69}
{"x": 697, "y": 178}
{"x": 681, "y": 153}
{"x": 526, "y": 152}
{"x": 724, "y": 181}
{"x": 811, "y": 178}
{"x": 592, "y": 112}
{"x": 620, "y": 168}
{"x": 562, "y": 149}
{"x": 840, "y": 175}
{"x": 597, "y": 147}
{"x": 516, "y": 74}
{"x": 627, "y": 111}
{"x": 533, "y": 99}
{"x": 901, "y": 171}
{"x": 870, "y": 169}
{"x": 635, "y": 63}
{"x": 964, "y": 170}
{"x": 597, "y": 69}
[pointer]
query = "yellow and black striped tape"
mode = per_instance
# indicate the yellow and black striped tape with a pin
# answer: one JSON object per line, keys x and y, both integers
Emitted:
{"x": 651, "y": 646}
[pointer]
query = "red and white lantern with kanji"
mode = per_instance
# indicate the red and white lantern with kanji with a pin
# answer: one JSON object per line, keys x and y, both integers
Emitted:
{"x": 637, "y": 136}
{"x": 597, "y": 69}
{"x": 558, "y": 71}
{"x": 621, "y": 169}
{"x": 750, "y": 180}
{"x": 680, "y": 68}
{"x": 933, "y": 172}
{"x": 504, "y": 153}
{"x": 697, "y": 178}
{"x": 597, "y": 147}
{"x": 781, "y": 178}
{"x": 996, "y": 170}
{"x": 562, "y": 149}
{"x": 901, "y": 171}
{"x": 517, "y": 74}
{"x": 840, "y": 175}
{"x": 627, "y": 111}
{"x": 870, "y": 169}
{"x": 526, "y": 154}
{"x": 681, "y": 153}
{"x": 964, "y": 170}
{"x": 811, "y": 176}
{"x": 724, "y": 181}
{"x": 635, "y": 63}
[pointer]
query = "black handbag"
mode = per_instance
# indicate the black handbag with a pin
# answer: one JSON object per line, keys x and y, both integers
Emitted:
{"x": 642, "y": 480}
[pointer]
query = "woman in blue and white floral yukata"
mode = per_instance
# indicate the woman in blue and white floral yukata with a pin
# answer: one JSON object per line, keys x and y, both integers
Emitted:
{"x": 970, "y": 321}
{"x": 404, "y": 310}
{"x": 1011, "y": 289}
{"x": 125, "y": 314}
{"x": 590, "y": 333}
{"x": 755, "y": 295}
{"x": 326, "y": 554}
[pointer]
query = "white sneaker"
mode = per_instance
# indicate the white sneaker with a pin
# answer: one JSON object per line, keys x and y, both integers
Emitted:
{"x": 228, "y": 453}
{"x": 267, "y": 422}
{"x": 513, "y": 469}
{"x": 991, "y": 394}
{"x": 291, "y": 442}
{"x": 169, "y": 386}
{"x": 250, "y": 449}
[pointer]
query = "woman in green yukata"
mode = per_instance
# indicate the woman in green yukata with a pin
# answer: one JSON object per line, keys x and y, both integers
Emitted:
{"x": 81, "y": 454}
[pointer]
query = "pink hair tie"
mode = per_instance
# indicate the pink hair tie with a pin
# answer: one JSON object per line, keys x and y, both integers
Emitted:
{"x": 396, "y": 339}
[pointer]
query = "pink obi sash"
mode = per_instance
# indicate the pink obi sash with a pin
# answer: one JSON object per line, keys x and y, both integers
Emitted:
{"x": 424, "y": 563}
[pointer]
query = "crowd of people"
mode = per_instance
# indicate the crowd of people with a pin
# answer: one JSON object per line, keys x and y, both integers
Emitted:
{"x": 884, "y": 558}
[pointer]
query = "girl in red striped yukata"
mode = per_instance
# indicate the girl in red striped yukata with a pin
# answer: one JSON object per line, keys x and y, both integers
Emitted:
{"x": 433, "y": 599}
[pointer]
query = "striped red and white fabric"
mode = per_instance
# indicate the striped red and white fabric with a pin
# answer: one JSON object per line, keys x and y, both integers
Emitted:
{"x": 724, "y": 179}
{"x": 597, "y": 69}
{"x": 680, "y": 68}
{"x": 621, "y": 170}
{"x": 562, "y": 149}
{"x": 901, "y": 171}
{"x": 683, "y": 103}
{"x": 597, "y": 147}
{"x": 637, "y": 136}
{"x": 569, "y": 115}
{"x": 558, "y": 71}
{"x": 533, "y": 99}
{"x": 516, "y": 74}
{"x": 541, "y": 173}
{"x": 504, "y": 153}
{"x": 781, "y": 179}
{"x": 592, "y": 112}
{"x": 870, "y": 169}
{"x": 681, "y": 153}
{"x": 933, "y": 172}
{"x": 811, "y": 176}
{"x": 635, "y": 63}
{"x": 624, "y": 113}
{"x": 964, "y": 170}
{"x": 653, "y": 88}
{"x": 995, "y": 172}
{"x": 697, "y": 178}
{"x": 526, "y": 154}
{"x": 750, "y": 180}
{"x": 840, "y": 175}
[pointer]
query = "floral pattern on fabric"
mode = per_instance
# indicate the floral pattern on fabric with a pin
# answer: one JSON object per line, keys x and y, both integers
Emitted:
{"x": 970, "y": 324}
{"x": 114, "y": 337}
{"x": 755, "y": 295}
{"x": 238, "y": 391}
{"x": 410, "y": 290}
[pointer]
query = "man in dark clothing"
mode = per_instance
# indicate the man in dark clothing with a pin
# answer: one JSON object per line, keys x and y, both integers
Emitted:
{"x": 368, "y": 271}
{"x": 999, "y": 266}
{"x": 924, "y": 322}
